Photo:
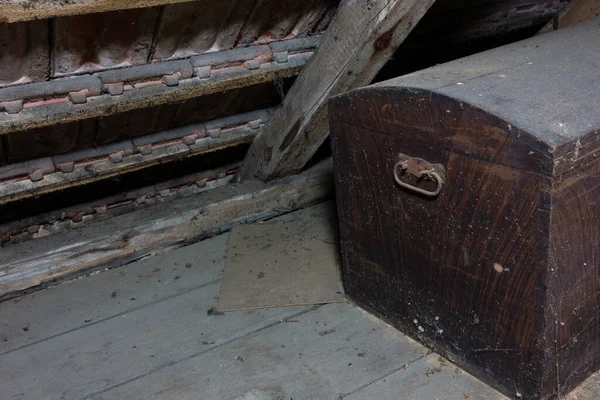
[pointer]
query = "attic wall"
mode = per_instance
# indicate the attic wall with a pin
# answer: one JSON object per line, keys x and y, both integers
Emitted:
{"x": 141, "y": 120}
{"x": 41, "y": 50}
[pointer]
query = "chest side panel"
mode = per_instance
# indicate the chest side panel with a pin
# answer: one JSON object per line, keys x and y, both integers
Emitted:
{"x": 464, "y": 272}
{"x": 575, "y": 273}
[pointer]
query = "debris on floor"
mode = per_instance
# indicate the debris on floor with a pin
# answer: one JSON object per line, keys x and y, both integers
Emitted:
{"x": 281, "y": 264}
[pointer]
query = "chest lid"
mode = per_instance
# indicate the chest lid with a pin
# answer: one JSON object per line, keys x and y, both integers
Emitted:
{"x": 545, "y": 89}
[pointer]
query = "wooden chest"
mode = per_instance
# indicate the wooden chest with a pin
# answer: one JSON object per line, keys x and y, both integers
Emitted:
{"x": 469, "y": 206}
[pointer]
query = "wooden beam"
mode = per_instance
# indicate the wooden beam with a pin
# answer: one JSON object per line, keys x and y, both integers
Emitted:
{"x": 26, "y": 10}
{"x": 577, "y": 11}
{"x": 82, "y": 173}
{"x": 120, "y": 240}
{"x": 105, "y": 104}
{"x": 360, "y": 40}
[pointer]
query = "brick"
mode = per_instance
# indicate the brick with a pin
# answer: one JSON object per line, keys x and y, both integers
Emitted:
{"x": 114, "y": 89}
{"x": 79, "y": 97}
{"x": 254, "y": 124}
{"x": 36, "y": 175}
{"x": 203, "y": 72}
{"x": 116, "y": 157}
{"x": 252, "y": 64}
{"x": 145, "y": 150}
{"x": 281, "y": 57}
{"x": 171, "y": 80}
{"x": 92, "y": 92}
{"x": 100, "y": 210}
{"x": 189, "y": 140}
{"x": 66, "y": 167}
{"x": 186, "y": 73}
{"x": 12, "y": 107}
{"x": 214, "y": 133}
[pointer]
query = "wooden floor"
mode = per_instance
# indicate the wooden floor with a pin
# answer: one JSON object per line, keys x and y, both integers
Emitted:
{"x": 148, "y": 331}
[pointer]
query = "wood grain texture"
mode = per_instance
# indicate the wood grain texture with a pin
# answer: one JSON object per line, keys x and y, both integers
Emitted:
{"x": 51, "y": 313}
{"x": 431, "y": 377}
{"x": 25, "y": 10}
{"x": 410, "y": 258}
{"x": 129, "y": 237}
{"x": 323, "y": 354}
{"x": 499, "y": 272}
{"x": 575, "y": 274}
{"x": 360, "y": 39}
{"x": 133, "y": 341}
{"x": 336, "y": 351}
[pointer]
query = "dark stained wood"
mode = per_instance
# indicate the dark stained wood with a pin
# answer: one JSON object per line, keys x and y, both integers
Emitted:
{"x": 575, "y": 272}
{"x": 500, "y": 271}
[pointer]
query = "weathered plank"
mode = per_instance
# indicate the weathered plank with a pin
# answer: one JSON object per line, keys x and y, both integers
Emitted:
{"x": 120, "y": 240}
{"x": 25, "y": 10}
{"x": 79, "y": 303}
{"x": 577, "y": 11}
{"x": 323, "y": 354}
{"x": 360, "y": 39}
{"x": 79, "y": 363}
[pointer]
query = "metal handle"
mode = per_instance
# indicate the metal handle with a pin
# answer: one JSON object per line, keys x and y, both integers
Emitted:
{"x": 421, "y": 169}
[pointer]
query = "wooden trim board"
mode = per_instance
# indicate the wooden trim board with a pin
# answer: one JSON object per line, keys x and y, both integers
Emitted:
{"x": 121, "y": 240}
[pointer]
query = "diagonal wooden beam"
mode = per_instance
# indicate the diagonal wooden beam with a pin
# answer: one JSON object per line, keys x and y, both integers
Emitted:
{"x": 360, "y": 40}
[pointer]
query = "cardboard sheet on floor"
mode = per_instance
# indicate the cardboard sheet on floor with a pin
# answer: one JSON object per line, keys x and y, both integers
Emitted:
{"x": 281, "y": 264}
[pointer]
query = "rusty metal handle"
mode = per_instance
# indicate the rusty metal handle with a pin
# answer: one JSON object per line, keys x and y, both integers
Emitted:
{"x": 421, "y": 169}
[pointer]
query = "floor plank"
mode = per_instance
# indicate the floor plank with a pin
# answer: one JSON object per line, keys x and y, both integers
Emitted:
{"x": 83, "y": 343}
{"x": 75, "y": 304}
{"x": 431, "y": 377}
{"x": 322, "y": 354}
{"x": 91, "y": 359}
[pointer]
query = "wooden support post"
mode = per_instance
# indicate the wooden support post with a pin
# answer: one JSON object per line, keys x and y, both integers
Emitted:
{"x": 360, "y": 40}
